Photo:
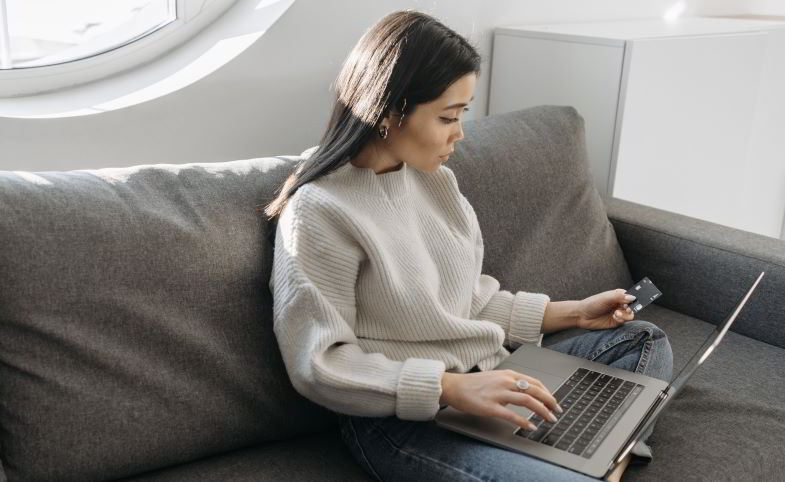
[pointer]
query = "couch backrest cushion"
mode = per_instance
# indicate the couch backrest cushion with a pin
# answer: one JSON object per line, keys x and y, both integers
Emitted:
{"x": 135, "y": 319}
{"x": 544, "y": 224}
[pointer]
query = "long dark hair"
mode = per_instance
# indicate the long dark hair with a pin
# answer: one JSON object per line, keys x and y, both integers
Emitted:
{"x": 406, "y": 56}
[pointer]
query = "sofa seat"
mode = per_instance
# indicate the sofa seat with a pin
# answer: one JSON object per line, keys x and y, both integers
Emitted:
{"x": 726, "y": 424}
{"x": 320, "y": 456}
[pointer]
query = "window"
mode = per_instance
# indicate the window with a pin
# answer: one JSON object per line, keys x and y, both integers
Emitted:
{"x": 49, "y": 45}
{"x": 38, "y": 33}
{"x": 150, "y": 59}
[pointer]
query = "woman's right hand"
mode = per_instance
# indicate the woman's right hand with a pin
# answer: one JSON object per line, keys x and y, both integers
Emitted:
{"x": 487, "y": 394}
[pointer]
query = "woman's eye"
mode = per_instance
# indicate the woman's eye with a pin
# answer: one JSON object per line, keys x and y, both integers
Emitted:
{"x": 448, "y": 120}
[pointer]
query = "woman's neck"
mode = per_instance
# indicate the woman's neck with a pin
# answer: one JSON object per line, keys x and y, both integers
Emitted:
{"x": 373, "y": 157}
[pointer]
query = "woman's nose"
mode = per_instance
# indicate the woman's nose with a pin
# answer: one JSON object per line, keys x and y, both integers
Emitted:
{"x": 459, "y": 136}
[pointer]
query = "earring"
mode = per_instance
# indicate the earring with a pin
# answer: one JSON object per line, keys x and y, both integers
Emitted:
{"x": 402, "y": 112}
{"x": 383, "y": 132}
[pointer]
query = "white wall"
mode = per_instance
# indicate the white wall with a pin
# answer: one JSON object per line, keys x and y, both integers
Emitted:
{"x": 274, "y": 98}
{"x": 765, "y": 7}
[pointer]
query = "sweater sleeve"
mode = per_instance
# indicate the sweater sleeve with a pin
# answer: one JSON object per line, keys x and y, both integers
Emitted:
{"x": 519, "y": 314}
{"x": 313, "y": 282}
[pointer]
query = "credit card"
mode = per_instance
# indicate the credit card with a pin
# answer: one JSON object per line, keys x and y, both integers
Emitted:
{"x": 645, "y": 292}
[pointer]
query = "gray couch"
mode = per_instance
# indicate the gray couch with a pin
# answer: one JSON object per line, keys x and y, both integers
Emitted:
{"x": 135, "y": 316}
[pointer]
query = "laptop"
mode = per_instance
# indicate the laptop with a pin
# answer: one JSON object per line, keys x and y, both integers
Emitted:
{"x": 606, "y": 409}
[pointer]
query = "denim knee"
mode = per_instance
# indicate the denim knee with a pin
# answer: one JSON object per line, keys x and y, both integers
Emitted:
{"x": 660, "y": 357}
{"x": 638, "y": 326}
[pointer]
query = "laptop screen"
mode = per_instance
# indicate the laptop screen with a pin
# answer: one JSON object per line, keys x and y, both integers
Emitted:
{"x": 709, "y": 345}
{"x": 699, "y": 357}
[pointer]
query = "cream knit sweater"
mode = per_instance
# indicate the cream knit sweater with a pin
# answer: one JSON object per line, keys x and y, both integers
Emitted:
{"x": 378, "y": 290}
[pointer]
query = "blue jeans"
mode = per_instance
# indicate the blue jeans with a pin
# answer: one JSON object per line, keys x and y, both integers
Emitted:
{"x": 398, "y": 450}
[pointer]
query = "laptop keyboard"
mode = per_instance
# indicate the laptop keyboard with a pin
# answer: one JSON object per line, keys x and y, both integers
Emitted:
{"x": 592, "y": 402}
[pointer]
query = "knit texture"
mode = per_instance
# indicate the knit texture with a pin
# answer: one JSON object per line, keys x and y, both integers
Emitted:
{"x": 378, "y": 289}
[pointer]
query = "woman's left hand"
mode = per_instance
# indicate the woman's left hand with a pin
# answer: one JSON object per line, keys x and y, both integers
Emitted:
{"x": 605, "y": 310}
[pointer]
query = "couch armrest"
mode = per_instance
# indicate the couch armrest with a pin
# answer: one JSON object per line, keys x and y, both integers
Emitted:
{"x": 703, "y": 268}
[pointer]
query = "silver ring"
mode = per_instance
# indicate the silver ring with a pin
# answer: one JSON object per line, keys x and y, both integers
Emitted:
{"x": 522, "y": 385}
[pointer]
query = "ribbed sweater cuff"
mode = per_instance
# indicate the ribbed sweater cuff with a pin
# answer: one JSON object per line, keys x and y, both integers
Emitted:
{"x": 419, "y": 389}
{"x": 528, "y": 310}
{"x": 499, "y": 309}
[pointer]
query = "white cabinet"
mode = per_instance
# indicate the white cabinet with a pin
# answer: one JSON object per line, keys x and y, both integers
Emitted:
{"x": 686, "y": 116}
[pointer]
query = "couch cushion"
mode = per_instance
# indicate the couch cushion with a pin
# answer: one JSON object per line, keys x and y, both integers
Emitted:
{"x": 727, "y": 422}
{"x": 314, "y": 457}
{"x": 135, "y": 319}
{"x": 543, "y": 222}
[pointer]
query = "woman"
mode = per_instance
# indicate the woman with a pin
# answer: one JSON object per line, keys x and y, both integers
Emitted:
{"x": 381, "y": 311}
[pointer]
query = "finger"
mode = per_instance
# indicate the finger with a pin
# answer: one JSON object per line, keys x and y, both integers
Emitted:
{"x": 534, "y": 381}
{"x": 620, "y": 316}
{"x": 512, "y": 417}
{"x": 529, "y": 400}
{"x": 624, "y": 296}
{"x": 544, "y": 395}
{"x": 547, "y": 397}
{"x": 518, "y": 376}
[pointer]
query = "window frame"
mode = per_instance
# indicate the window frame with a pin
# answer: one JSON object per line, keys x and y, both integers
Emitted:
{"x": 191, "y": 17}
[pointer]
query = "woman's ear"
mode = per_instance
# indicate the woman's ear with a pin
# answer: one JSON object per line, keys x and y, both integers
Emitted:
{"x": 388, "y": 121}
{"x": 394, "y": 120}
{"x": 395, "y": 117}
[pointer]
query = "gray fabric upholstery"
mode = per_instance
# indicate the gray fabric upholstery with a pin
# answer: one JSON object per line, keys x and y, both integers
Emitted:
{"x": 309, "y": 458}
{"x": 544, "y": 224}
{"x": 704, "y": 269}
{"x": 135, "y": 319}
